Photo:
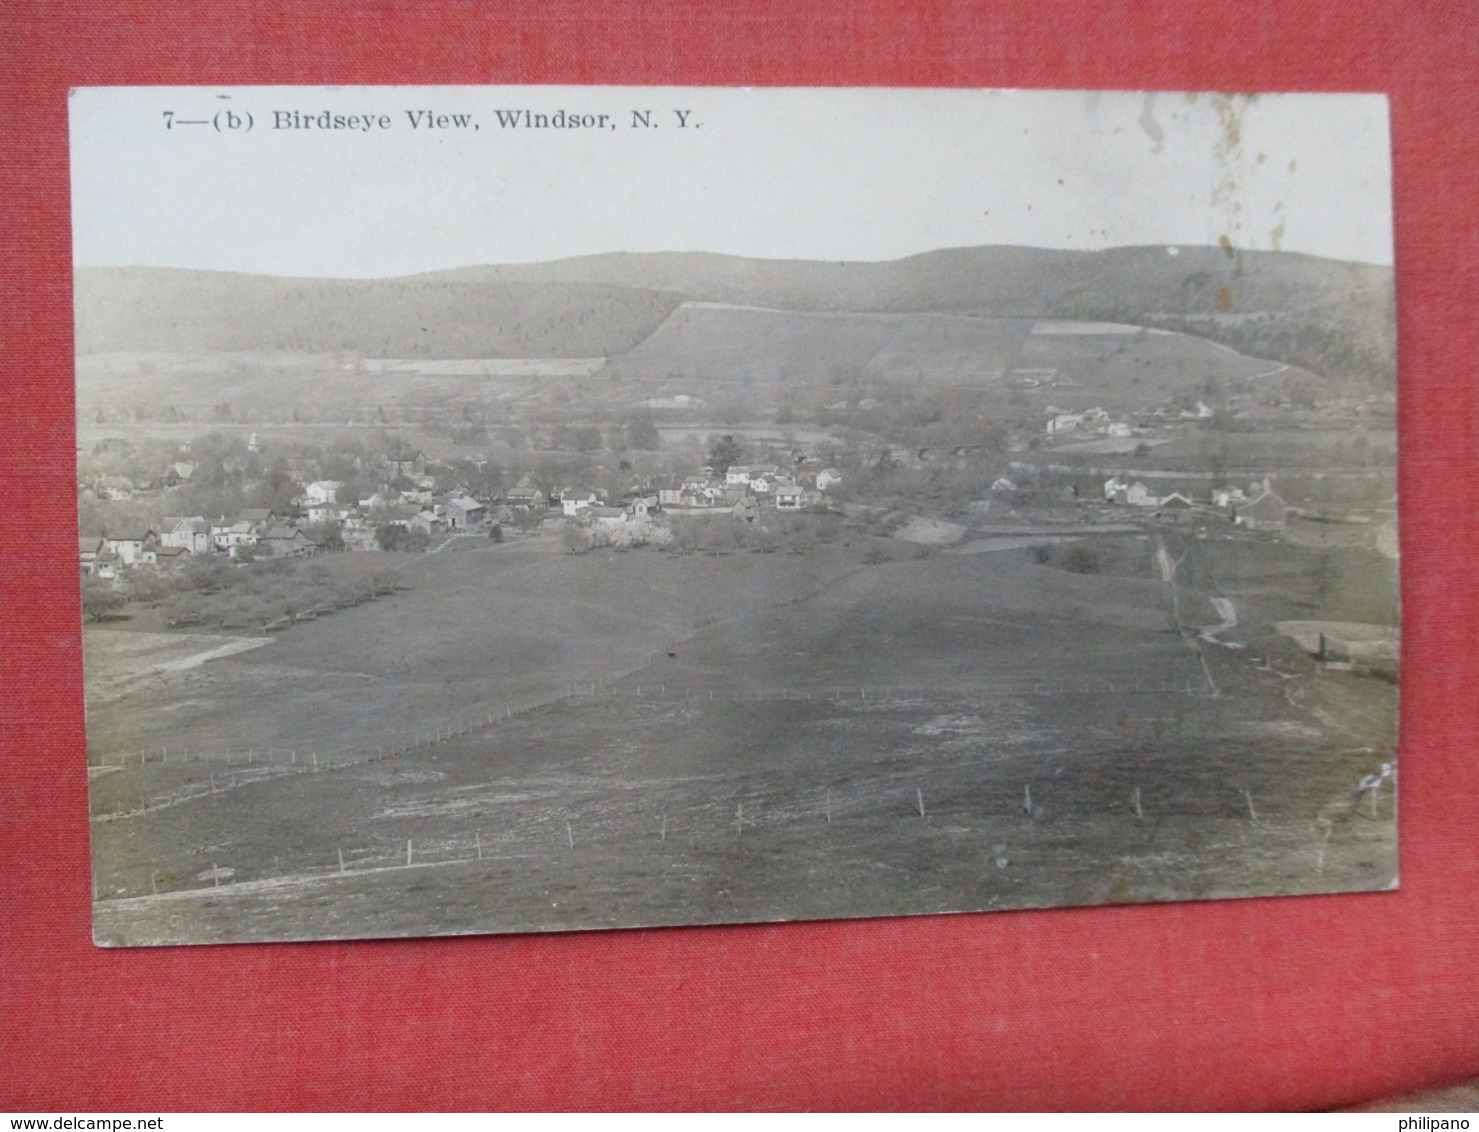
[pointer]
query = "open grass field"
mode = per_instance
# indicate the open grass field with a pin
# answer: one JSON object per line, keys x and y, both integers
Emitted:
{"x": 473, "y": 633}
{"x": 708, "y": 344}
{"x": 508, "y": 745}
{"x": 268, "y": 386}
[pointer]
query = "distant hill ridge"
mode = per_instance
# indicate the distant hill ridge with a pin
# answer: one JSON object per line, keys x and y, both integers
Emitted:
{"x": 1329, "y": 316}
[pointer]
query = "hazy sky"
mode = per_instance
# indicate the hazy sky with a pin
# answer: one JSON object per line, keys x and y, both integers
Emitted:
{"x": 778, "y": 173}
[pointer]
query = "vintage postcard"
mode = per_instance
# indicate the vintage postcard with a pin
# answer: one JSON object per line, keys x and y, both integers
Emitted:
{"x": 550, "y": 508}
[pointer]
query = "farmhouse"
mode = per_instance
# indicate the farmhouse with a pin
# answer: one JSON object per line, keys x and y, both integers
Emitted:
{"x": 1175, "y": 507}
{"x": 465, "y": 512}
{"x": 260, "y": 518}
{"x": 670, "y": 491}
{"x": 397, "y": 513}
{"x": 98, "y": 560}
{"x": 828, "y": 478}
{"x": 789, "y": 497}
{"x": 320, "y": 492}
{"x": 171, "y": 557}
{"x": 133, "y": 547}
{"x": 1135, "y": 494}
{"x": 575, "y": 499}
{"x": 762, "y": 485}
{"x": 228, "y": 536}
{"x": 1264, "y": 512}
{"x": 285, "y": 542}
{"x": 428, "y": 523}
{"x": 1228, "y": 496}
{"x": 324, "y": 512}
{"x": 526, "y": 495}
{"x": 358, "y": 533}
{"x": 406, "y": 463}
{"x": 192, "y": 534}
{"x": 605, "y": 516}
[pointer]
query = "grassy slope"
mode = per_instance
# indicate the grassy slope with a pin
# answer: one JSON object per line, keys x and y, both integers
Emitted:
{"x": 740, "y": 784}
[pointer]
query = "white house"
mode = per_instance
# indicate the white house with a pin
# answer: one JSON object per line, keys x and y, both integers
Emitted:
{"x": 827, "y": 478}
{"x": 525, "y": 494}
{"x": 575, "y": 499}
{"x": 320, "y": 492}
{"x": 324, "y": 512}
{"x": 789, "y": 497}
{"x": 1228, "y": 496}
{"x": 1138, "y": 495}
{"x": 133, "y": 547}
{"x": 97, "y": 559}
{"x": 228, "y": 536}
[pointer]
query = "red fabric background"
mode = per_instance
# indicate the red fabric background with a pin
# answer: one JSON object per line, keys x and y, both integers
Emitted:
{"x": 1267, "y": 1003}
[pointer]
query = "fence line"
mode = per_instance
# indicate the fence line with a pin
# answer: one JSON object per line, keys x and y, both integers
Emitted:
{"x": 560, "y": 833}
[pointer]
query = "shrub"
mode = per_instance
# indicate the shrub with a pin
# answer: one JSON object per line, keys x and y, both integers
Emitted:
{"x": 1080, "y": 559}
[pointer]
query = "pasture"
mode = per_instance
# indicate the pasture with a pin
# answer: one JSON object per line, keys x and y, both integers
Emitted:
{"x": 509, "y": 745}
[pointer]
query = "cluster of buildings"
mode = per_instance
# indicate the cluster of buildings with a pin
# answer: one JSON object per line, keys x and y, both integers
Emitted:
{"x": 325, "y": 514}
{"x": 1259, "y": 508}
{"x": 181, "y": 539}
{"x": 417, "y": 508}
{"x": 1098, "y": 422}
{"x": 744, "y": 488}
{"x": 742, "y": 491}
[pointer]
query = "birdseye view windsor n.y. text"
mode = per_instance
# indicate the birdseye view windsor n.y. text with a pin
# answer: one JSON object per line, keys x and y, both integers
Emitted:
{"x": 801, "y": 504}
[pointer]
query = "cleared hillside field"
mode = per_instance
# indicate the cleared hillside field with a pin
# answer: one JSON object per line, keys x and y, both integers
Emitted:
{"x": 716, "y": 344}
{"x": 752, "y": 359}
{"x": 703, "y": 349}
{"x": 1126, "y": 372}
{"x": 827, "y": 739}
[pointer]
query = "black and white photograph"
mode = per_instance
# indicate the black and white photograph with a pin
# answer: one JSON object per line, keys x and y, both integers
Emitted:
{"x": 531, "y": 509}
